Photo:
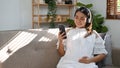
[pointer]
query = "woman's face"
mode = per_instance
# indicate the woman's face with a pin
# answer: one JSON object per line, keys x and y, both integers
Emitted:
{"x": 80, "y": 20}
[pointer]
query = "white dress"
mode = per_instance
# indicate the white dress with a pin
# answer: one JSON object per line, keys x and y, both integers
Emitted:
{"x": 76, "y": 47}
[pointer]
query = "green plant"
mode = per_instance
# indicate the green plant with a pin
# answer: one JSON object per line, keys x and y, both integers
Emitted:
{"x": 70, "y": 22}
{"x": 79, "y": 4}
{"x": 98, "y": 24}
{"x": 98, "y": 20}
{"x": 51, "y": 12}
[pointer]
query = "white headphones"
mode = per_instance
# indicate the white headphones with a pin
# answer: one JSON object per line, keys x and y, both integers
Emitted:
{"x": 89, "y": 17}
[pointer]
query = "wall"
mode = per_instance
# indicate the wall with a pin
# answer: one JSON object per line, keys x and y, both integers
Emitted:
{"x": 113, "y": 25}
{"x": 25, "y": 14}
{"x": 15, "y": 14}
{"x": 9, "y": 14}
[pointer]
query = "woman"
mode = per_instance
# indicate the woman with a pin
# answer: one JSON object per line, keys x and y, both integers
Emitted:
{"x": 77, "y": 51}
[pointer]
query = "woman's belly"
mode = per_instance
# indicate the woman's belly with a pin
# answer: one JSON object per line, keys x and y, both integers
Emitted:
{"x": 73, "y": 64}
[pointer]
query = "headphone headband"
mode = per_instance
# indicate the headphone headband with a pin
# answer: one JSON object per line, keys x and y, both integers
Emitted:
{"x": 90, "y": 16}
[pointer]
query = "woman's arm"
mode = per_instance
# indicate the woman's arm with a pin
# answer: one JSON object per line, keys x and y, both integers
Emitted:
{"x": 61, "y": 46}
{"x": 97, "y": 58}
{"x": 61, "y": 49}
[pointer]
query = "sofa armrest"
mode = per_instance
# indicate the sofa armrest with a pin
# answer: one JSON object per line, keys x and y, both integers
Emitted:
{"x": 110, "y": 66}
{"x": 108, "y": 46}
{"x": 0, "y": 65}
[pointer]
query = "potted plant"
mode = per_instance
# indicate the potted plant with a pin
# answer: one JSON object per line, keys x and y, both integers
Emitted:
{"x": 98, "y": 20}
{"x": 51, "y": 12}
{"x": 70, "y": 22}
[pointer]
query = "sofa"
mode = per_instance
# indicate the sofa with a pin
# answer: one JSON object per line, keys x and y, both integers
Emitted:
{"x": 35, "y": 48}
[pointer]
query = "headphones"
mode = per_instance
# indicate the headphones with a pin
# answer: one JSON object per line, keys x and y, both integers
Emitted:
{"x": 87, "y": 12}
{"x": 89, "y": 17}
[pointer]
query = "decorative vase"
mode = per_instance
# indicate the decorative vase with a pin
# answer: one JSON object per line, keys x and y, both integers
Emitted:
{"x": 68, "y": 1}
{"x": 59, "y": 1}
{"x": 41, "y": 2}
{"x": 46, "y": 1}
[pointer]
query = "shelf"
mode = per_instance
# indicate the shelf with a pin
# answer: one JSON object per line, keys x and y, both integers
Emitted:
{"x": 38, "y": 15}
{"x": 67, "y": 5}
{"x": 46, "y": 15}
{"x": 49, "y": 22}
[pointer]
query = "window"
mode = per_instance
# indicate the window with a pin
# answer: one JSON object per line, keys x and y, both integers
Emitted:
{"x": 113, "y": 9}
{"x": 118, "y": 6}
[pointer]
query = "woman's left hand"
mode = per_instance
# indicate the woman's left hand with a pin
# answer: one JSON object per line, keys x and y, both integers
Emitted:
{"x": 85, "y": 60}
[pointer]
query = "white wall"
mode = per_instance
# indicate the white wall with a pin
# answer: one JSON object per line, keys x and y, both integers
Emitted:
{"x": 9, "y": 14}
{"x": 113, "y": 25}
{"x": 15, "y": 14}
{"x": 25, "y": 14}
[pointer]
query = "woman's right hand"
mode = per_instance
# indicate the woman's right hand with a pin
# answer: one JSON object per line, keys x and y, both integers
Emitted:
{"x": 61, "y": 37}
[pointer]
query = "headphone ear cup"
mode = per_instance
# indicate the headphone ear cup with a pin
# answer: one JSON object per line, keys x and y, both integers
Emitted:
{"x": 90, "y": 16}
{"x": 87, "y": 21}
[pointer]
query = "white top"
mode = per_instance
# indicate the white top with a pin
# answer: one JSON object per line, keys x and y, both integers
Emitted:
{"x": 76, "y": 47}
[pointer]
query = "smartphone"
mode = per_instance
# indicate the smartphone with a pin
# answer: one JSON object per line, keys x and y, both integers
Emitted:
{"x": 62, "y": 29}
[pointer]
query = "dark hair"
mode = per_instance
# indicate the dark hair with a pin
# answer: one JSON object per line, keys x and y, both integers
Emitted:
{"x": 88, "y": 14}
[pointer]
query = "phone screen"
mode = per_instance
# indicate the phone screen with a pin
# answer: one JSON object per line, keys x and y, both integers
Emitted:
{"x": 62, "y": 29}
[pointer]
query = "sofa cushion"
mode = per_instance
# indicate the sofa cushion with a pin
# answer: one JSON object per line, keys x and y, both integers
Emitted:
{"x": 108, "y": 59}
{"x": 108, "y": 46}
{"x": 31, "y": 58}
{"x": 41, "y": 52}
{"x": 5, "y": 36}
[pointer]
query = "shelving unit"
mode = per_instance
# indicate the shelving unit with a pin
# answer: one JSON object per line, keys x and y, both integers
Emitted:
{"x": 38, "y": 18}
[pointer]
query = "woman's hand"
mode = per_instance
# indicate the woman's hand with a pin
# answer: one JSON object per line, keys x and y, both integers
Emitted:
{"x": 88, "y": 60}
{"x": 85, "y": 60}
{"x": 61, "y": 37}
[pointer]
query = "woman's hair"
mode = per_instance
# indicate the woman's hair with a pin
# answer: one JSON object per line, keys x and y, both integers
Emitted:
{"x": 88, "y": 14}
